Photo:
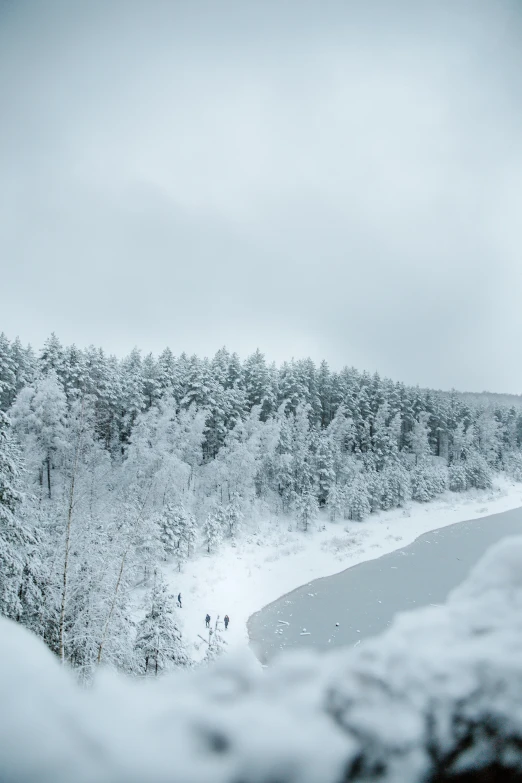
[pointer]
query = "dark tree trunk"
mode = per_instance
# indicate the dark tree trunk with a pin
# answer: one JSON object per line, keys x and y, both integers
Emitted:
{"x": 49, "y": 475}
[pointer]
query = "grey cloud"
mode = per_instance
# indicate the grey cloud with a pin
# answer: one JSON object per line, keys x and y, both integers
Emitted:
{"x": 338, "y": 180}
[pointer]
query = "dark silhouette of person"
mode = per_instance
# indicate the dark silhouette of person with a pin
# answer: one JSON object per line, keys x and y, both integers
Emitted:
{"x": 207, "y": 621}
{"x": 227, "y": 620}
{"x": 179, "y": 599}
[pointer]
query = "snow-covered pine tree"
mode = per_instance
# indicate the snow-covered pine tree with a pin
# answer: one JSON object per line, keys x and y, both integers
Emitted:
{"x": 375, "y": 488}
{"x": 51, "y": 357}
{"x": 306, "y": 508}
{"x": 159, "y": 645}
{"x": 234, "y": 515}
{"x": 149, "y": 546}
{"x": 324, "y": 466}
{"x": 283, "y": 460}
{"x": 24, "y": 366}
{"x": 256, "y": 382}
{"x": 168, "y": 533}
{"x": 488, "y": 434}
{"x": 213, "y": 530}
{"x": 131, "y": 393}
{"x": 398, "y": 484}
{"x": 151, "y": 384}
{"x": 302, "y": 456}
{"x": 478, "y": 472}
{"x": 7, "y": 374}
{"x": 74, "y": 374}
{"x": 39, "y": 415}
{"x": 357, "y": 499}
{"x": 16, "y": 540}
{"x": 419, "y": 438}
{"x": 336, "y": 502}
{"x": 190, "y": 533}
{"x": 178, "y": 532}
{"x": 458, "y": 480}
{"x": 428, "y": 481}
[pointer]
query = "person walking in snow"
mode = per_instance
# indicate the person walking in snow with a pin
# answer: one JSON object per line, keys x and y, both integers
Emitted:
{"x": 227, "y": 620}
{"x": 179, "y": 600}
{"x": 207, "y": 621}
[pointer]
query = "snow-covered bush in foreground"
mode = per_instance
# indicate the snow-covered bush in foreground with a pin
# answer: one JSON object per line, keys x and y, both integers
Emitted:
{"x": 436, "y": 698}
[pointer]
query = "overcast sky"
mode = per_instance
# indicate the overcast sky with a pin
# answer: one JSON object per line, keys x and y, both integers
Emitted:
{"x": 335, "y": 179}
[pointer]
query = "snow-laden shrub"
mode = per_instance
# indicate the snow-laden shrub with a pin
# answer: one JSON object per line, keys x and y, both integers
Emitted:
{"x": 512, "y": 464}
{"x": 458, "y": 480}
{"x": 336, "y": 502}
{"x": 420, "y": 486}
{"x": 427, "y": 481}
{"x": 306, "y": 508}
{"x": 478, "y": 472}
{"x": 358, "y": 500}
{"x": 375, "y": 489}
{"x": 396, "y": 486}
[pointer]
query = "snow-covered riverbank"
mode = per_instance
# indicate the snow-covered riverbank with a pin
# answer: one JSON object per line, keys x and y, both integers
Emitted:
{"x": 264, "y": 565}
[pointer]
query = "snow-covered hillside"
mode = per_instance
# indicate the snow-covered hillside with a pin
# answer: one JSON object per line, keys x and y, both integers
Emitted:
{"x": 111, "y": 470}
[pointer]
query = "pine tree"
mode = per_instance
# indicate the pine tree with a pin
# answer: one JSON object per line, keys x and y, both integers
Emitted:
{"x": 399, "y": 484}
{"x": 24, "y": 366}
{"x": 234, "y": 515}
{"x": 16, "y": 540}
{"x": 324, "y": 466}
{"x": 336, "y": 502}
{"x": 149, "y": 546}
{"x": 166, "y": 371}
{"x": 256, "y": 382}
{"x": 200, "y": 385}
{"x": 325, "y": 394}
{"x": 421, "y": 490}
{"x": 306, "y": 508}
{"x": 7, "y": 374}
{"x": 159, "y": 645}
{"x": 131, "y": 392}
{"x": 283, "y": 460}
{"x": 151, "y": 384}
{"x": 74, "y": 372}
{"x": 488, "y": 434}
{"x": 458, "y": 479}
{"x": 213, "y": 530}
{"x": 292, "y": 387}
{"x": 39, "y": 417}
{"x": 357, "y": 499}
{"x": 375, "y": 487}
{"x": 478, "y": 472}
{"x": 428, "y": 481}
{"x": 52, "y": 357}
{"x": 419, "y": 438}
{"x": 302, "y": 456}
{"x": 178, "y": 532}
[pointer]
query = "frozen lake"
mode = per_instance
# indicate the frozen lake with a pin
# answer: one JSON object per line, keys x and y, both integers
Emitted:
{"x": 364, "y": 599}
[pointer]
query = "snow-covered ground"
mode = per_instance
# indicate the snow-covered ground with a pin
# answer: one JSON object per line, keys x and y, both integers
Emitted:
{"x": 436, "y": 697}
{"x": 271, "y": 561}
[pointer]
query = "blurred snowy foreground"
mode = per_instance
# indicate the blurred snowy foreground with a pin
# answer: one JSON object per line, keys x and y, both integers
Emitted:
{"x": 438, "y": 697}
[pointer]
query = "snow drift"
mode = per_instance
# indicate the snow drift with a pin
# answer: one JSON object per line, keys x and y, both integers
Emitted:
{"x": 438, "y": 697}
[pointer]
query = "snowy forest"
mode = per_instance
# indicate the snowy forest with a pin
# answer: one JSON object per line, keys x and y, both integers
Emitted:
{"x": 111, "y": 468}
